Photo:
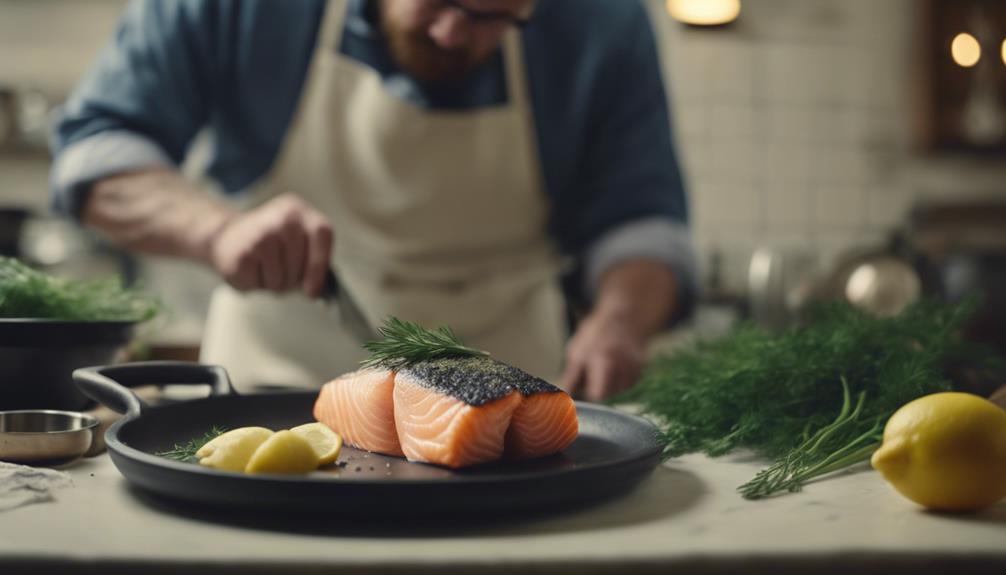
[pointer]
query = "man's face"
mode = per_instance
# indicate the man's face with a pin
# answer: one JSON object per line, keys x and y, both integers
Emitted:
{"x": 437, "y": 42}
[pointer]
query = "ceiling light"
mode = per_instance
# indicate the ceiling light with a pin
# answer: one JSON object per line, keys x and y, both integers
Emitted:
{"x": 965, "y": 50}
{"x": 704, "y": 12}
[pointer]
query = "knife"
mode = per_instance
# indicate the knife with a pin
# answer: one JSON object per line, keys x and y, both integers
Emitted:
{"x": 335, "y": 292}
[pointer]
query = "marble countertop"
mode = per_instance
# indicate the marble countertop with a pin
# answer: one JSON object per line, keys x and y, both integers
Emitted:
{"x": 686, "y": 516}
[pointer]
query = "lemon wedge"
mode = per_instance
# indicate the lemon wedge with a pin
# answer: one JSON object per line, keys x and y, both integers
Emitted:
{"x": 231, "y": 451}
{"x": 283, "y": 452}
{"x": 326, "y": 443}
{"x": 946, "y": 451}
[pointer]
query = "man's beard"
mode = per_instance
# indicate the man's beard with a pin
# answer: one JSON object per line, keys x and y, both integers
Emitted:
{"x": 418, "y": 55}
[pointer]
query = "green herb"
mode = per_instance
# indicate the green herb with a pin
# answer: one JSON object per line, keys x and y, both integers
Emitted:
{"x": 825, "y": 452}
{"x": 29, "y": 293}
{"x": 777, "y": 394}
{"x": 403, "y": 343}
{"x": 186, "y": 452}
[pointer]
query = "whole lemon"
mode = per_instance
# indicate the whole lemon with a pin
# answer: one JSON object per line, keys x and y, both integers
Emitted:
{"x": 946, "y": 451}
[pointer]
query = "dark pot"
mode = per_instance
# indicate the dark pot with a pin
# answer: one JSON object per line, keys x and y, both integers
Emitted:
{"x": 37, "y": 358}
{"x": 11, "y": 223}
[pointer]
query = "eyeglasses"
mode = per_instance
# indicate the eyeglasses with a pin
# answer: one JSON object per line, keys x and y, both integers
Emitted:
{"x": 489, "y": 17}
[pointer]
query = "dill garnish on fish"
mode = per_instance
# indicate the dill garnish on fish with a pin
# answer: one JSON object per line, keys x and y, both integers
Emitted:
{"x": 404, "y": 343}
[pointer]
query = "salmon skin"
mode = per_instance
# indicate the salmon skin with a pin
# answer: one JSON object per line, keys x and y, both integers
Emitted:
{"x": 453, "y": 412}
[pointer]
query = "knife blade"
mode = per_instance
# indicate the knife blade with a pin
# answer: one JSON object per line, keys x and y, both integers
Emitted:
{"x": 335, "y": 293}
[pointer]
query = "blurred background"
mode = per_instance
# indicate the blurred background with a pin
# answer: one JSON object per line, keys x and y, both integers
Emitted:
{"x": 832, "y": 148}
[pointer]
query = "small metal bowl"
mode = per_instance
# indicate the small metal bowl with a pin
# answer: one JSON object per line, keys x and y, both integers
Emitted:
{"x": 45, "y": 438}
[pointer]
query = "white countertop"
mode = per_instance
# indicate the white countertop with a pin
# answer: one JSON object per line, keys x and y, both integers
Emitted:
{"x": 686, "y": 516}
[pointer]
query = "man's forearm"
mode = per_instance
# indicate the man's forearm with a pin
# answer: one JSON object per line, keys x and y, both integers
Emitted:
{"x": 641, "y": 293}
{"x": 156, "y": 212}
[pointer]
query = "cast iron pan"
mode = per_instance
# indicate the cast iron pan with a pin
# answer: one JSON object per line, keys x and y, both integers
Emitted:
{"x": 612, "y": 454}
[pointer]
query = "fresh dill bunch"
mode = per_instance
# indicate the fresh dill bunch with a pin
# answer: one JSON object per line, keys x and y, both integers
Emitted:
{"x": 403, "y": 343}
{"x": 773, "y": 393}
{"x": 186, "y": 452}
{"x": 28, "y": 293}
{"x": 826, "y": 451}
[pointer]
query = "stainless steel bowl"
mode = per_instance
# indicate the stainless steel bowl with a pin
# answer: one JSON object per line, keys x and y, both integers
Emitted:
{"x": 45, "y": 437}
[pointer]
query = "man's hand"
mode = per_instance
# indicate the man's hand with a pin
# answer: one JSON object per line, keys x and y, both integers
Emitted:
{"x": 608, "y": 350}
{"x": 604, "y": 357}
{"x": 282, "y": 245}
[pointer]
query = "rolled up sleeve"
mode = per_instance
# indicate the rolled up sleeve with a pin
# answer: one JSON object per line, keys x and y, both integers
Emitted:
{"x": 657, "y": 239}
{"x": 96, "y": 157}
{"x": 142, "y": 102}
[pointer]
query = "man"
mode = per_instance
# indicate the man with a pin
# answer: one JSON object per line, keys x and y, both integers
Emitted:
{"x": 441, "y": 156}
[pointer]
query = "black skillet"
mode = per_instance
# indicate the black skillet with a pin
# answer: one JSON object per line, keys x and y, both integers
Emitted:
{"x": 612, "y": 454}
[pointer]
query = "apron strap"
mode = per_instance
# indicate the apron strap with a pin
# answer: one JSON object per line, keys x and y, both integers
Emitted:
{"x": 332, "y": 26}
{"x": 513, "y": 62}
{"x": 519, "y": 95}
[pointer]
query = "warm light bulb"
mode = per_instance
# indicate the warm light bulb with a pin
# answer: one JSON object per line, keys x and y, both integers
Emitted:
{"x": 1004, "y": 51}
{"x": 965, "y": 50}
{"x": 704, "y": 12}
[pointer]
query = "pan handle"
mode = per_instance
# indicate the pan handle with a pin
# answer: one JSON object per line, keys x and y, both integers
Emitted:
{"x": 108, "y": 385}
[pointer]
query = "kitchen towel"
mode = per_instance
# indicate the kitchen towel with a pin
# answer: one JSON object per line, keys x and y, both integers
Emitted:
{"x": 24, "y": 485}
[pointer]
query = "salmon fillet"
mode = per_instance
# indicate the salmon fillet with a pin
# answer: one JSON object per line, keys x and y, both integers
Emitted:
{"x": 544, "y": 423}
{"x": 359, "y": 406}
{"x": 454, "y": 412}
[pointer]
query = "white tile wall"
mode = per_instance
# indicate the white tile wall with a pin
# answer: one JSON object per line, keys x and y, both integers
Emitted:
{"x": 793, "y": 127}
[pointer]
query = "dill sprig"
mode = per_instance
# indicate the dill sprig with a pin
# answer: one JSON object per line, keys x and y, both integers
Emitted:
{"x": 777, "y": 394}
{"x": 825, "y": 452}
{"x": 186, "y": 452}
{"x": 403, "y": 343}
{"x": 28, "y": 293}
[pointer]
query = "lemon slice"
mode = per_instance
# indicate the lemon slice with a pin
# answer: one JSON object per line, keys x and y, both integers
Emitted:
{"x": 231, "y": 451}
{"x": 326, "y": 443}
{"x": 284, "y": 452}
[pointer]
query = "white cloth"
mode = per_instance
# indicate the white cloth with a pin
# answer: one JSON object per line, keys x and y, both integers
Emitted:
{"x": 22, "y": 485}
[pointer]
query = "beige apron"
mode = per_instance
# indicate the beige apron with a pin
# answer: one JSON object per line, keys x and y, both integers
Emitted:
{"x": 439, "y": 218}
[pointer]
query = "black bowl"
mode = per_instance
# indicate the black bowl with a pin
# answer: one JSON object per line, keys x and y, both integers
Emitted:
{"x": 38, "y": 356}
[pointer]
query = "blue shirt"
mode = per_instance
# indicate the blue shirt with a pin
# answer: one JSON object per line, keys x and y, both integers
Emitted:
{"x": 237, "y": 68}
